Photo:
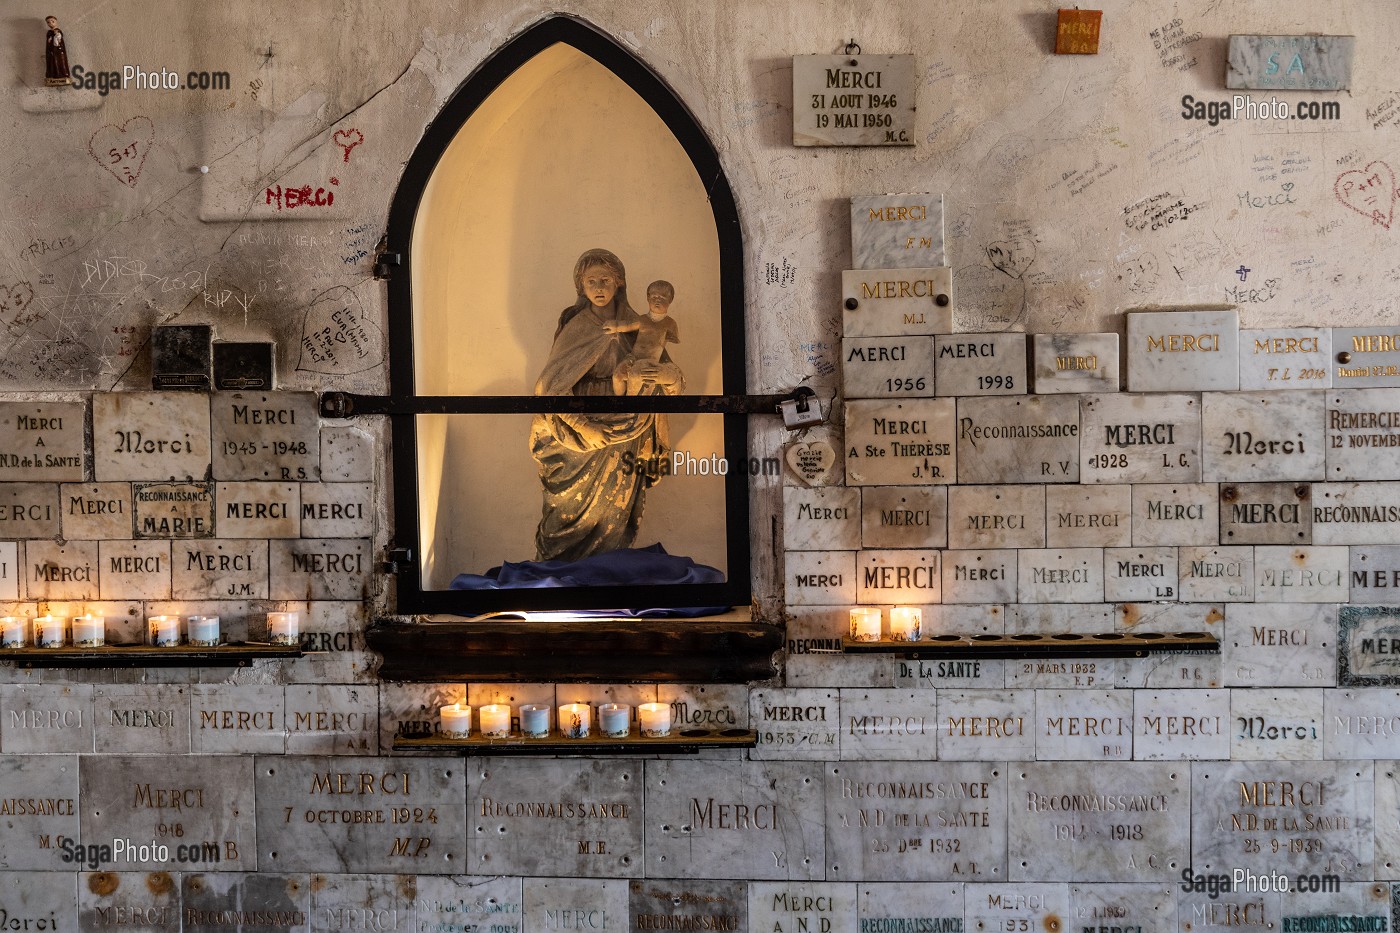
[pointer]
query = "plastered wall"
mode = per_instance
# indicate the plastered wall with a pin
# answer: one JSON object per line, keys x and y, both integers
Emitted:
{"x": 885, "y": 796}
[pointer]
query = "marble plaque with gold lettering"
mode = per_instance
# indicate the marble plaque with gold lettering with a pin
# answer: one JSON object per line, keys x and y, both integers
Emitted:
{"x": 1286, "y": 358}
{"x": 1272, "y": 645}
{"x": 986, "y": 725}
{"x": 853, "y": 100}
{"x": 566, "y": 817}
{"x": 211, "y": 798}
{"x": 901, "y": 442}
{"x": 1098, "y": 821}
{"x": 392, "y": 815}
{"x": 1074, "y": 363}
{"x": 237, "y": 719}
{"x": 115, "y": 900}
{"x": 915, "y": 821}
{"x": 1277, "y": 725}
{"x": 1183, "y": 351}
{"x": 41, "y": 441}
{"x": 331, "y": 719}
{"x": 268, "y": 436}
{"x": 895, "y": 302}
{"x": 1082, "y": 725}
{"x": 1365, "y": 358}
{"x": 1313, "y": 810}
{"x": 1181, "y": 723}
{"x": 716, "y": 819}
{"x": 897, "y": 231}
{"x": 29, "y": 510}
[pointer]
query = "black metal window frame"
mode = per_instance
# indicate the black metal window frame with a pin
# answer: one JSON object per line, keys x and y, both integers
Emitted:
{"x": 403, "y": 405}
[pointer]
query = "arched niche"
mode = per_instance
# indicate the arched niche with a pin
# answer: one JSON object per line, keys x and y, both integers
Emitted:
{"x": 560, "y": 142}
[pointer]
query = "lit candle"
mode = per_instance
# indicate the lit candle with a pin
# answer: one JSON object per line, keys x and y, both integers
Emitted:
{"x": 574, "y": 720}
{"x": 165, "y": 631}
{"x": 655, "y": 719}
{"x": 865, "y": 624}
{"x": 495, "y": 721}
{"x": 615, "y": 720}
{"x": 12, "y": 632}
{"x": 48, "y": 632}
{"x": 906, "y": 623}
{"x": 203, "y": 631}
{"x": 456, "y": 721}
{"x": 534, "y": 721}
{"x": 88, "y": 631}
{"x": 282, "y": 627}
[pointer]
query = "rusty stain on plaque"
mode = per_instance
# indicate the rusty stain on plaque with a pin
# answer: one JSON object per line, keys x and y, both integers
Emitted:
{"x": 1077, "y": 32}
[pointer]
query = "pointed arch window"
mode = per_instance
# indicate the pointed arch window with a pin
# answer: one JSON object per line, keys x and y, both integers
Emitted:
{"x": 532, "y": 420}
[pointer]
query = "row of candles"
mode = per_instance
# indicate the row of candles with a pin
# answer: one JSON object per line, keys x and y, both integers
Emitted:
{"x": 575, "y": 720}
{"x": 90, "y": 631}
{"x": 906, "y": 623}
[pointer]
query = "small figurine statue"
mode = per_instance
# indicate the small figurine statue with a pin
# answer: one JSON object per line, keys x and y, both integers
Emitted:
{"x": 654, "y": 330}
{"x": 55, "y": 57}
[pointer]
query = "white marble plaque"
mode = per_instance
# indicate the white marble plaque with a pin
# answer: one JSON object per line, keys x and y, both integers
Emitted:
{"x": 138, "y": 800}
{"x": 896, "y": 302}
{"x": 891, "y": 725}
{"x": 716, "y": 819}
{"x": 347, "y": 456}
{"x": 394, "y": 815}
{"x": 986, "y": 725}
{"x": 887, "y": 367}
{"x": 337, "y": 510}
{"x": 1033, "y": 439}
{"x": 237, "y": 719}
{"x": 1276, "y": 725}
{"x": 60, "y": 572}
{"x": 134, "y": 569}
{"x": 10, "y": 570}
{"x": 1109, "y": 905}
{"x": 271, "y": 436}
{"x": 979, "y": 576}
{"x": 585, "y": 905}
{"x": 172, "y": 510}
{"x": 892, "y": 443}
{"x": 1375, "y": 575}
{"x": 996, "y": 516}
{"x": 41, "y": 441}
{"x": 915, "y": 821}
{"x": 1060, "y": 575}
{"x": 1088, "y": 516}
{"x": 898, "y": 577}
{"x": 141, "y": 719}
{"x": 854, "y": 100}
{"x": 1387, "y": 796}
{"x": 223, "y": 569}
{"x": 817, "y": 630}
{"x": 1098, "y": 821}
{"x": 1263, "y": 436}
{"x": 1183, "y": 351}
{"x": 951, "y": 673}
{"x": 1144, "y": 574}
{"x": 806, "y": 906}
{"x": 1266, "y": 513}
{"x": 820, "y": 578}
{"x": 1368, "y": 651}
{"x": 150, "y": 435}
{"x": 1293, "y": 63}
{"x": 1186, "y": 514}
{"x": 904, "y": 516}
{"x": 47, "y": 895}
{"x": 980, "y": 364}
{"x": 39, "y": 719}
{"x": 1082, "y": 725}
{"x": 1313, "y": 810}
{"x": 1225, "y": 911}
{"x": 259, "y": 510}
{"x": 29, "y": 510}
{"x": 706, "y": 706}
{"x": 796, "y": 723}
{"x": 1178, "y": 724}
{"x": 1069, "y": 363}
{"x": 39, "y": 800}
{"x": 1362, "y": 723}
{"x": 1216, "y": 574}
{"x": 992, "y": 907}
{"x": 1368, "y": 357}
{"x": 1082, "y": 673}
{"x": 1270, "y": 645}
{"x": 1042, "y": 618}
{"x": 93, "y": 511}
{"x": 1140, "y": 438}
{"x": 1286, "y": 358}
{"x": 1356, "y": 513}
{"x": 821, "y": 519}
{"x": 900, "y": 908}
{"x": 897, "y": 231}
{"x": 1363, "y": 434}
{"x": 319, "y": 568}
{"x": 1300, "y": 574}
{"x": 331, "y": 719}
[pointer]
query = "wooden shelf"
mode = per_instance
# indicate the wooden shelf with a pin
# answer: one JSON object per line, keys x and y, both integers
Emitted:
{"x": 1065, "y": 645}
{"x": 234, "y": 655}
{"x": 685, "y": 742}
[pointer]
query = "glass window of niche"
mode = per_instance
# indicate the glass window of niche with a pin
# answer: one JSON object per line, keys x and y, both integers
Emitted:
{"x": 571, "y": 295}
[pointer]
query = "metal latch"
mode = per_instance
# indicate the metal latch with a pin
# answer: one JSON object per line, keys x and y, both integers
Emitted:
{"x": 803, "y": 410}
{"x": 397, "y": 560}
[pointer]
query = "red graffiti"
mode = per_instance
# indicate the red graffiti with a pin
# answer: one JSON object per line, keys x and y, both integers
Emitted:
{"x": 121, "y": 150}
{"x": 290, "y": 198}
{"x": 1369, "y": 191}
{"x": 348, "y": 139}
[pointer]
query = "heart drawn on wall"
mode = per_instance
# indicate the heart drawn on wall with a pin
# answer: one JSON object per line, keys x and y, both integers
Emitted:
{"x": 347, "y": 140}
{"x": 16, "y": 297}
{"x": 122, "y": 150}
{"x": 1369, "y": 191}
{"x": 812, "y": 462}
{"x": 1013, "y": 257}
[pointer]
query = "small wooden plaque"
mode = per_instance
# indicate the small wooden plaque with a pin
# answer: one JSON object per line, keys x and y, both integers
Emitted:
{"x": 1078, "y": 32}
